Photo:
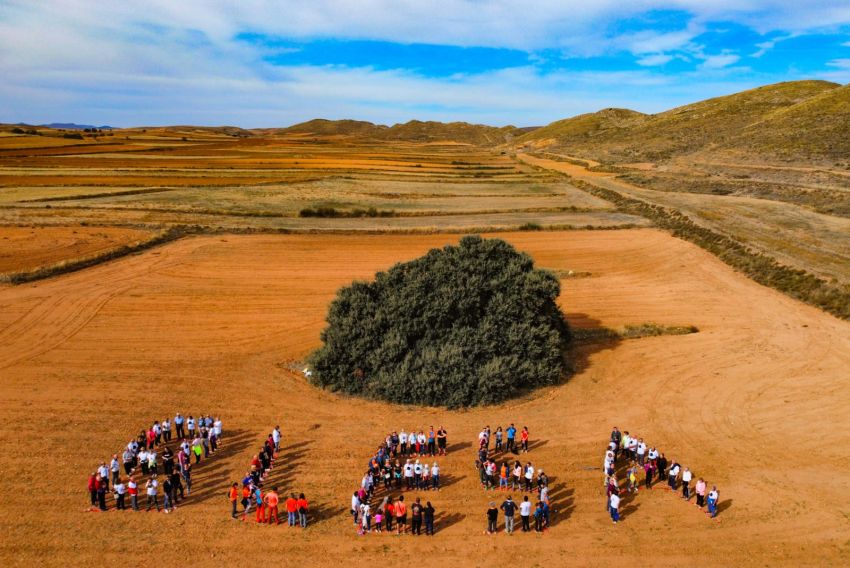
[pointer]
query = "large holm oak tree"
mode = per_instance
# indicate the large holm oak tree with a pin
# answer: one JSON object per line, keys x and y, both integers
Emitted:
{"x": 464, "y": 325}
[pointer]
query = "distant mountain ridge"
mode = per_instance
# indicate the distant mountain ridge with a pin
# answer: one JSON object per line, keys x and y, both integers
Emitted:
{"x": 414, "y": 130}
{"x": 74, "y": 126}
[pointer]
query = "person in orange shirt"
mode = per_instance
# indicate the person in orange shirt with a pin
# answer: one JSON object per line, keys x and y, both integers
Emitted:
{"x": 400, "y": 516}
{"x": 271, "y": 504}
{"x": 246, "y": 500}
{"x": 292, "y": 509}
{"x": 233, "y": 495}
{"x": 523, "y": 438}
{"x": 302, "y": 511}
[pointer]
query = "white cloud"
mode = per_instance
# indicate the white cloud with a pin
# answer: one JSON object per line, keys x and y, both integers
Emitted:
{"x": 840, "y": 63}
{"x": 846, "y": 44}
{"x": 719, "y": 61}
{"x": 654, "y": 60}
{"x": 160, "y": 61}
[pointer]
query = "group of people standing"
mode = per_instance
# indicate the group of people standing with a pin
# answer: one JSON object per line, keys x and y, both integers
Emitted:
{"x": 266, "y": 501}
{"x": 495, "y": 470}
{"x": 141, "y": 462}
{"x": 642, "y": 457}
{"x": 385, "y": 469}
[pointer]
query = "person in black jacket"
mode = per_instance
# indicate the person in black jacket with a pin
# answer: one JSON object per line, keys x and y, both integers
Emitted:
{"x": 492, "y": 518}
{"x": 429, "y": 518}
{"x": 509, "y": 507}
{"x": 416, "y": 517}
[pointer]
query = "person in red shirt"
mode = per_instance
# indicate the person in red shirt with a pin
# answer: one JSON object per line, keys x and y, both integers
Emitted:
{"x": 523, "y": 437}
{"x": 272, "y": 501}
{"x": 302, "y": 511}
{"x": 93, "y": 489}
{"x": 292, "y": 509}
{"x": 233, "y": 495}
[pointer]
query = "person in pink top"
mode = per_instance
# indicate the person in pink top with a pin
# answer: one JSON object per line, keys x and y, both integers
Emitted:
{"x": 700, "y": 491}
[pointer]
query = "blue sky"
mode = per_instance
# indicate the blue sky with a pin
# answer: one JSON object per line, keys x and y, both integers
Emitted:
{"x": 273, "y": 63}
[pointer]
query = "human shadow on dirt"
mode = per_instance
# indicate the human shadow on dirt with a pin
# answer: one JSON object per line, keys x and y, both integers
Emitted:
{"x": 458, "y": 446}
{"x": 443, "y": 521}
{"x": 210, "y": 477}
{"x": 723, "y": 505}
{"x": 561, "y": 501}
{"x": 320, "y": 513}
{"x": 446, "y": 480}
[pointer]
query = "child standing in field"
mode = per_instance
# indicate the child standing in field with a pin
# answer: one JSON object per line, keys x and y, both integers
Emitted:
{"x": 523, "y": 439}
{"x": 499, "y": 436}
{"x": 259, "y": 503}
{"x": 302, "y": 511}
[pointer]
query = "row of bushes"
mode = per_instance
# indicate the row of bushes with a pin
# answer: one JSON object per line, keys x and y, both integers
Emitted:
{"x": 333, "y": 212}
{"x": 764, "y": 269}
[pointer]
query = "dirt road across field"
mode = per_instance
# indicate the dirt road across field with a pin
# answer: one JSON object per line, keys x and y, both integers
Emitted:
{"x": 756, "y": 402}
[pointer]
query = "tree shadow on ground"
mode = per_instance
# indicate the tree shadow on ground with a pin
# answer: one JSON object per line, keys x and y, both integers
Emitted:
{"x": 587, "y": 340}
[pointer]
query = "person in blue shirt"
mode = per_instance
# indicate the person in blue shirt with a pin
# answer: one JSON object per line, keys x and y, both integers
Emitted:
{"x": 511, "y": 432}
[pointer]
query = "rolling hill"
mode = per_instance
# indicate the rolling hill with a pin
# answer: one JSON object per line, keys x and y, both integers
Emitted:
{"x": 414, "y": 130}
{"x": 617, "y": 135}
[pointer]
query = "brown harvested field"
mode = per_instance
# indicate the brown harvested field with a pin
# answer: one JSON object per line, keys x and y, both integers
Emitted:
{"x": 756, "y": 402}
{"x": 264, "y": 181}
{"x": 793, "y": 234}
{"x": 28, "y": 248}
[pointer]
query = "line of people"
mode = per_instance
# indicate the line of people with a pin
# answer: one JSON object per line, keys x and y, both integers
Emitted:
{"x": 266, "y": 502}
{"x": 140, "y": 460}
{"x": 642, "y": 457}
{"x": 392, "y": 513}
{"x": 401, "y": 444}
{"x": 540, "y": 513}
{"x": 505, "y": 440}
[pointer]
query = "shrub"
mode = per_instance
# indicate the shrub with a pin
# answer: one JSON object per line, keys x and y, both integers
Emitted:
{"x": 464, "y": 325}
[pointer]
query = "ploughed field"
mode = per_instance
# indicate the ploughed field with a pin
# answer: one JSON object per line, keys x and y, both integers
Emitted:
{"x": 275, "y": 181}
{"x": 755, "y": 402}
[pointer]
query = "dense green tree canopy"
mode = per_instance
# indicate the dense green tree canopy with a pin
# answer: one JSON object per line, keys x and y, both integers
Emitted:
{"x": 463, "y": 325}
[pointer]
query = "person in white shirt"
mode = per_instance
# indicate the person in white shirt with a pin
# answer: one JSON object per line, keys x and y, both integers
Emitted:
{"x": 529, "y": 476}
{"x": 673, "y": 475}
{"x": 151, "y": 490}
{"x": 686, "y": 484}
{"x": 120, "y": 490}
{"x": 641, "y": 451}
{"x": 402, "y": 440}
{"x": 114, "y": 468}
{"x": 614, "y": 507}
{"x": 365, "y": 518}
{"x": 132, "y": 488}
{"x": 355, "y": 507}
{"x": 104, "y": 474}
{"x": 417, "y": 475}
{"x": 408, "y": 474}
{"x": 713, "y": 497}
{"x": 653, "y": 454}
{"x": 525, "y": 514}
{"x": 435, "y": 476}
{"x": 217, "y": 427}
{"x": 166, "y": 429}
{"x": 276, "y": 437}
{"x": 143, "y": 460}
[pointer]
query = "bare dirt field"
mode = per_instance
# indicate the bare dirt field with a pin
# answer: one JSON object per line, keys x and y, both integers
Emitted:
{"x": 27, "y": 248}
{"x": 755, "y": 402}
